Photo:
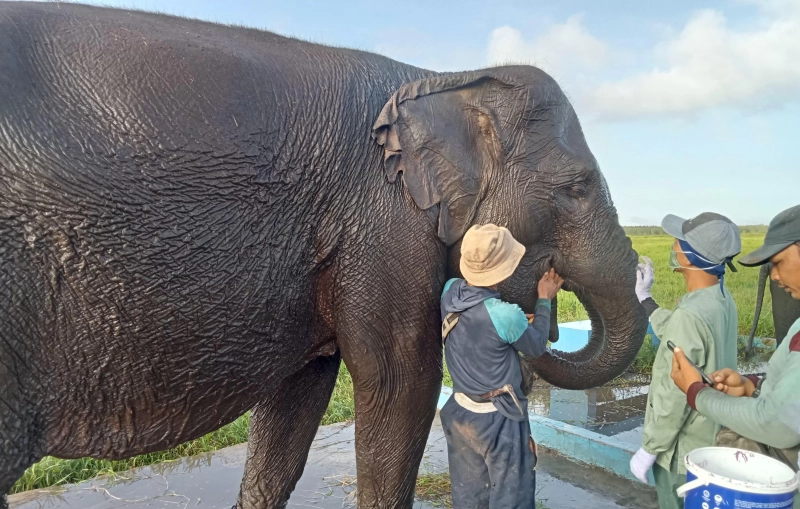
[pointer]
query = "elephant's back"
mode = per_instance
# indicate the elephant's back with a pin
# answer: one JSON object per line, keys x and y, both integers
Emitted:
{"x": 101, "y": 83}
{"x": 107, "y": 111}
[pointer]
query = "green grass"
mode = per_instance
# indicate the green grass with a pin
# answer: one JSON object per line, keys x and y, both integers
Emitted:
{"x": 668, "y": 288}
{"x": 643, "y": 363}
{"x": 341, "y": 408}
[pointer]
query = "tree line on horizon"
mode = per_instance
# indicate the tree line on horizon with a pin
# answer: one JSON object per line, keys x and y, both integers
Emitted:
{"x": 657, "y": 230}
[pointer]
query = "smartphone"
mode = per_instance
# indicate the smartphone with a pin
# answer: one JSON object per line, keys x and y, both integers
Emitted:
{"x": 706, "y": 378}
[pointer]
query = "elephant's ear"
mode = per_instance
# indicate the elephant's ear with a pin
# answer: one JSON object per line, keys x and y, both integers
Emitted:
{"x": 439, "y": 134}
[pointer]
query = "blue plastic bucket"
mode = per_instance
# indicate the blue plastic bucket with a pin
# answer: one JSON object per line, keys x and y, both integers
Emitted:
{"x": 728, "y": 478}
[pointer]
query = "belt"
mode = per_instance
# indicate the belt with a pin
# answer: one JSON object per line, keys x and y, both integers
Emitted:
{"x": 468, "y": 402}
{"x": 486, "y": 398}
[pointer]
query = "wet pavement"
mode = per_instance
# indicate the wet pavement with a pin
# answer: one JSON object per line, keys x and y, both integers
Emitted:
{"x": 211, "y": 481}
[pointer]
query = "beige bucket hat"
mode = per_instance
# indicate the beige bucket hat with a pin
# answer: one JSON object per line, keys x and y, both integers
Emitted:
{"x": 489, "y": 255}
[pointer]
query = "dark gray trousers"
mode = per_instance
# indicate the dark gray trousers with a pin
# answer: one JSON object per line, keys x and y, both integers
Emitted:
{"x": 491, "y": 462}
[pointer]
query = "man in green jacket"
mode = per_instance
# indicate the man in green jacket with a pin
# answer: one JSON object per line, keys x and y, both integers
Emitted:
{"x": 762, "y": 410}
{"x": 705, "y": 324}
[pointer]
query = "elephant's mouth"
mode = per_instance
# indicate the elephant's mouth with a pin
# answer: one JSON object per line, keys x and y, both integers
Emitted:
{"x": 618, "y": 327}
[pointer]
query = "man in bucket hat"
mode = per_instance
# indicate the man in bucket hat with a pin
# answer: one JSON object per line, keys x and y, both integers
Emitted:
{"x": 704, "y": 323}
{"x": 491, "y": 453}
{"x": 762, "y": 410}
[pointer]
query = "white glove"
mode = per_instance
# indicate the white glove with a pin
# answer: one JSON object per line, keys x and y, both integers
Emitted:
{"x": 645, "y": 275}
{"x": 641, "y": 463}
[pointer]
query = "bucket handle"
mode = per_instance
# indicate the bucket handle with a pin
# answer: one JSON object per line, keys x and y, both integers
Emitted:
{"x": 689, "y": 486}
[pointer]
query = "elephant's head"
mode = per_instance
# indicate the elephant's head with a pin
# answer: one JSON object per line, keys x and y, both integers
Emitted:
{"x": 504, "y": 146}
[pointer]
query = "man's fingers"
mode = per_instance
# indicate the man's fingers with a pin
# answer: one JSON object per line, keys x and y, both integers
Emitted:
{"x": 678, "y": 358}
{"x": 676, "y": 365}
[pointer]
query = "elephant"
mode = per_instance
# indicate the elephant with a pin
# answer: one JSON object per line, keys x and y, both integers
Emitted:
{"x": 202, "y": 220}
{"x": 785, "y": 310}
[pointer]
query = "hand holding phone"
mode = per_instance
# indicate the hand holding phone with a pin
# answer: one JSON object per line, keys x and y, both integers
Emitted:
{"x": 706, "y": 379}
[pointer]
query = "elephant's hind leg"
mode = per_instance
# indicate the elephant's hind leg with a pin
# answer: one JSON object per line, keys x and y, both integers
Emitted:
{"x": 281, "y": 431}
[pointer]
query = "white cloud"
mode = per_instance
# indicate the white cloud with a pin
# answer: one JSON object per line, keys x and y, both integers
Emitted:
{"x": 563, "y": 51}
{"x": 710, "y": 65}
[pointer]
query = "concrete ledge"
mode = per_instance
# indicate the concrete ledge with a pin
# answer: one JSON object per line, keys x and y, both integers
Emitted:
{"x": 576, "y": 443}
{"x": 584, "y": 446}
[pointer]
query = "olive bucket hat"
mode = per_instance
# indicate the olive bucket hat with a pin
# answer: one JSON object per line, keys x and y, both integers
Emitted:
{"x": 489, "y": 255}
{"x": 783, "y": 231}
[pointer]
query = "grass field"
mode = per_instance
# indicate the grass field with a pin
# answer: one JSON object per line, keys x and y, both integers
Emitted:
{"x": 668, "y": 287}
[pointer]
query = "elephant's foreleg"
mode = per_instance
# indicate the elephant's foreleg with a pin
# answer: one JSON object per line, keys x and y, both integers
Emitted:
{"x": 395, "y": 391}
{"x": 21, "y": 442}
{"x": 13, "y": 463}
{"x": 281, "y": 431}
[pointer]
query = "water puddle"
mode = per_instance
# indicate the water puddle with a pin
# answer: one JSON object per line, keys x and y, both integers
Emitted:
{"x": 618, "y": 409}
{"x": 606, "y": 410}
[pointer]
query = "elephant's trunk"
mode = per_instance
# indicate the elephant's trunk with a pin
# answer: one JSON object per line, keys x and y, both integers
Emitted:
{"x": 618, "y": 328}
{"x": 762, "y": 283}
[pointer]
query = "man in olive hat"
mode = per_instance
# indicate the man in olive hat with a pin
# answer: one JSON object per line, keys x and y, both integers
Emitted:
{"x": 760, "y": 410}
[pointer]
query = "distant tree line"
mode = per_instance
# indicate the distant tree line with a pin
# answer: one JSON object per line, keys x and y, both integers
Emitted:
{"x": 656, "y": 230}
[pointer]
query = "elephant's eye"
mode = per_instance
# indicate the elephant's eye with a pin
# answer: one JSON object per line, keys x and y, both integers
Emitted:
{"x": 576, "y": 190}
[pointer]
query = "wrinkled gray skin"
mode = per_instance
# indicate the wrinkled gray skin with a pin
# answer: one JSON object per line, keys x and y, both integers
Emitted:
{"x": 198, "y": 220}
{"x": 785, "y": 310}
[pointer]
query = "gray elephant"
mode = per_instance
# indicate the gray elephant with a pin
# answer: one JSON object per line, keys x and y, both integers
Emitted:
{"x": 198, "y": 220}
{"x": 785, "y": 310}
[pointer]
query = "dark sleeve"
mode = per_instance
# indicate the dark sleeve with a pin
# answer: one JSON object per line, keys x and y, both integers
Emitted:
{"x": 649, "y": 306}
{"x": 533, "y": 341}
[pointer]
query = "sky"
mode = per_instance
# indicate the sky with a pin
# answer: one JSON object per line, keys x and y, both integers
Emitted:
{"x": 688, "y": 105}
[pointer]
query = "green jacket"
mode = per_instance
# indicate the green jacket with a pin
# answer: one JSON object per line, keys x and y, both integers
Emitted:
{"x": 705, "y": 325}
{"x": 770, "y": 417}
{"x": 762, "y": 418}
